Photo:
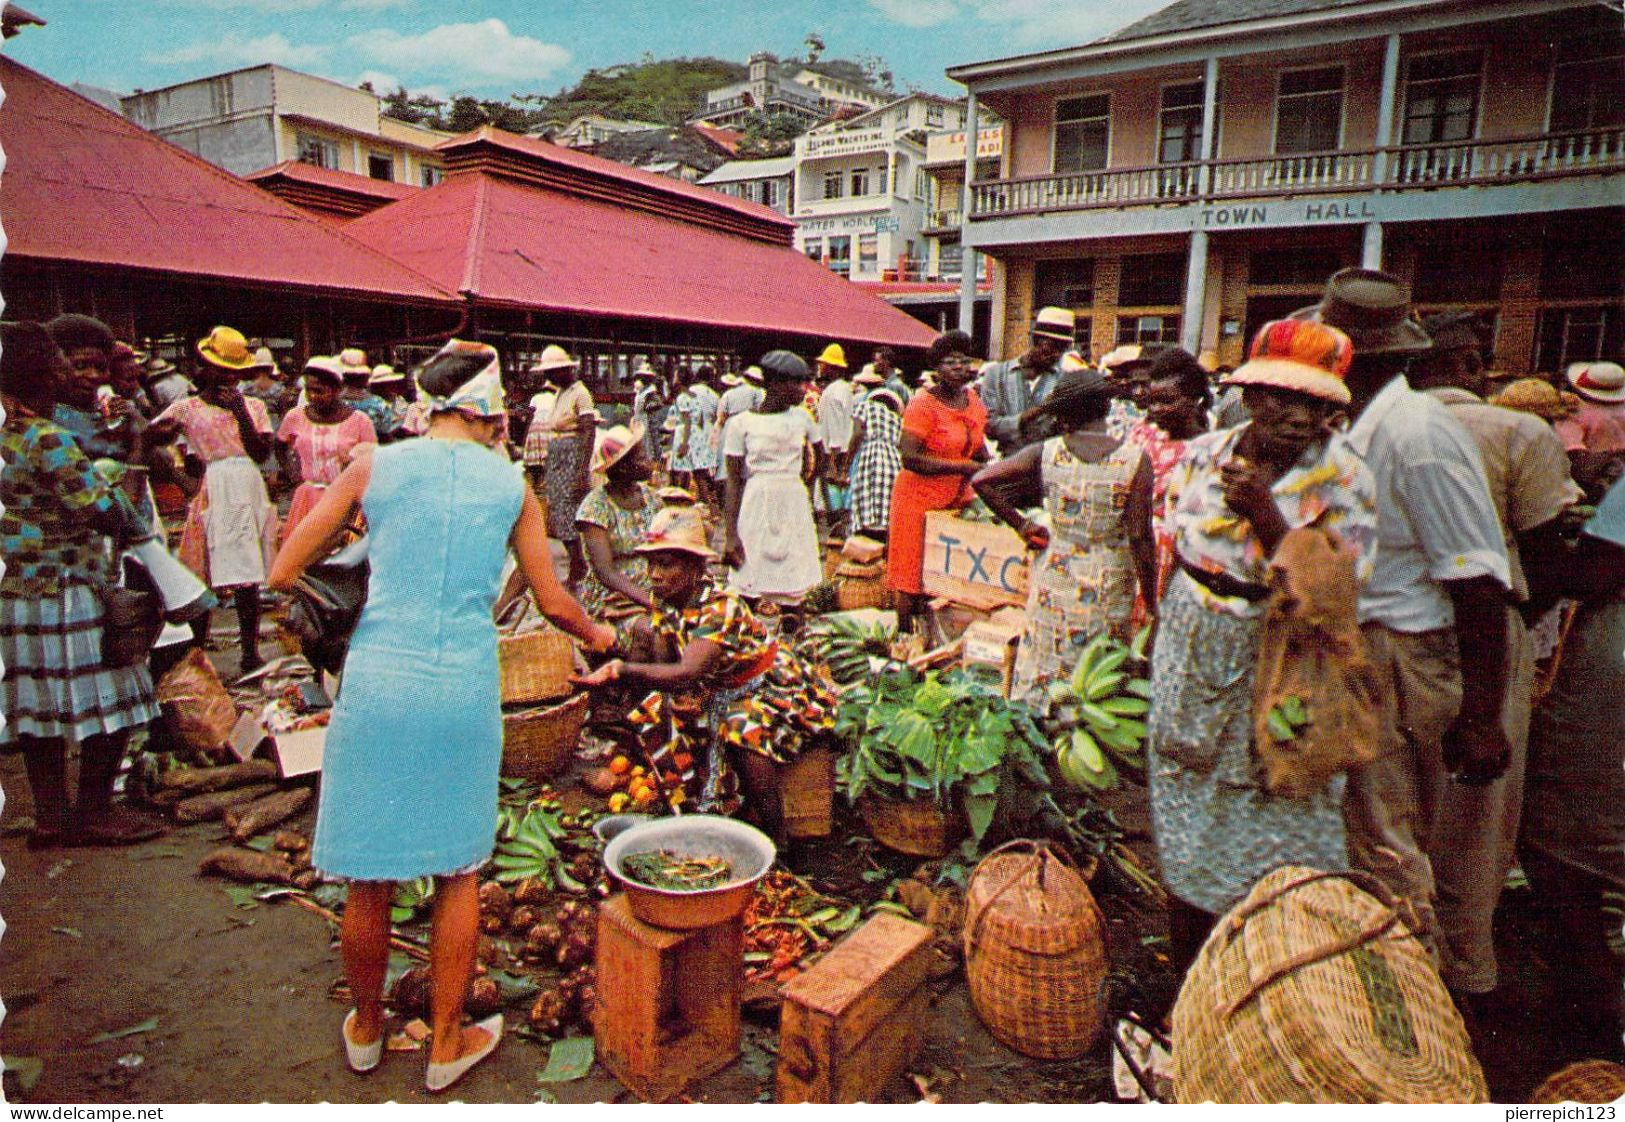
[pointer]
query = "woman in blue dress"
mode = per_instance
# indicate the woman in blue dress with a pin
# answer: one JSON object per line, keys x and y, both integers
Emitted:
{"x": 409, "y": 783}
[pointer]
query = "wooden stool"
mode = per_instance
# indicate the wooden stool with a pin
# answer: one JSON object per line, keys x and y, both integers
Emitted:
{"x": 668, "y": 1001}
{"x": 850, "y": 1024}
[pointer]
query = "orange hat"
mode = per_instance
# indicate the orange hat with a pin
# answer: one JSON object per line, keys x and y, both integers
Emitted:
{"x": 1301, "y": 355}
{"x": 226, "y": 347}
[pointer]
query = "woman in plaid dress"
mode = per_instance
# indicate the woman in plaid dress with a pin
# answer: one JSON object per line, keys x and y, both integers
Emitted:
{"x": 60, "y": 511}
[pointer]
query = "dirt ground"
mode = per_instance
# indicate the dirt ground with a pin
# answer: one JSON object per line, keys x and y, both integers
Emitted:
{"x": 233, "y": 1003}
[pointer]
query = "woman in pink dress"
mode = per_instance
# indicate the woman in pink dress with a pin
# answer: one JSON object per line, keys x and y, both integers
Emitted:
{"x": 322, "y": 435}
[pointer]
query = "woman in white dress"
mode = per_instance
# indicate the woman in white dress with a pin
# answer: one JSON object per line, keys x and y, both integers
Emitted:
{"x": 772, "y": 452}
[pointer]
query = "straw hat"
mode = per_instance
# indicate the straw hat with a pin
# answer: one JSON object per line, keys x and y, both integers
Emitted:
{"x": 1072, "y": 362}
{"x": 264, "y": 357}
{"x": 1118, "y": 359}
{"x": 614, "y": 443}
{"x": 1302, "y": 355}
{"x": 555, "y": 357}
{"x": 1599, "y": 381}
{"x": 677, "y": 529}
{"x": 156, "y": 367}
{"x": 383, "y": 374}
{"x": 868, "y": 377}
{"x": 354, "y": 361}
{"x": 227, "y": 348}
{"x": 675, "y": 496}
{"x": 327, "y": 368}
{"x": 732, "y": 380}
{"x": 1372, "y": 309}
{"x": 834, "y": 355}
{"x": 1056, "y": 323}
{"x": 1537, "y": 396}
{"x": 753, "y": 375}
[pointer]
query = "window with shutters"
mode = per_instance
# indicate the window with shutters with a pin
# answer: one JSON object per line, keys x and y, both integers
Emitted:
{"x": 1082, "y": 133}
{"x": 1309, "y": 110}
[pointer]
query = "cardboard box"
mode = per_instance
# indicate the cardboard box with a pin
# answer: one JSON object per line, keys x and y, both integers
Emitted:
{"x": 990, "y": 651}
{"x": 299, "y": 753}
{"x": 982, "y": 564}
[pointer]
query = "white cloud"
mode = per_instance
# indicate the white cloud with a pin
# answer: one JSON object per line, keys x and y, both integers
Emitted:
{"x": 477, "y": 53}
{"x": 917, "y": 13}
{"x": 230, "y": 51}
{"x": 385, "y": 83}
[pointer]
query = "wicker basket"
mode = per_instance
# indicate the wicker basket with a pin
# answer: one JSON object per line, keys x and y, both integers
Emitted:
{"x": 536, "y": 666}
{"x": 1035, "y": 955}
{"x": 832, "y": 556}
{"x": 919, "y": 828}
{"x": 1589, "y": 1081}
{"x": 1314, "y": 990}
{"x": 853, "y": 593}
{"x": 539, "y": 743}
{"x": 807, "y": 794}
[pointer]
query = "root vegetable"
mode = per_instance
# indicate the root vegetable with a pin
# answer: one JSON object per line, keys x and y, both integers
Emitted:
{"x": 547, "y": 1012}
{"x": 306, "y": 878}
{"x": 586, "y": 1001}
{"x": 484, "y": 998}
{"x": 602, "y": 781}
{"x": 495, "y": 901}
{"x": 492, "y": 924}
{"x": 572, "y": 952}
{"x": 290, "y": 841}
{"x": 531, "y": 890}
{"x": 584, "y": 868}
{"x": 524, "y": 917}
{"x": 202, "y": 808}
{"x": 544, "y": 936}
{"x": 248, "y": 866}
{"x": 199, "y": 780}
{"x": 262, "y": 814}
{"x": 410, "y": 996}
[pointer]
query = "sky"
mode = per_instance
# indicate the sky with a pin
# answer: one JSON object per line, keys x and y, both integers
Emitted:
{"x": 494, "y": 48}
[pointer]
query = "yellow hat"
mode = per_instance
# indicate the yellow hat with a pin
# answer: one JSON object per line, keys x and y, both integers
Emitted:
{"x": 226, "y": 347}
{"x": 834, "y": 355}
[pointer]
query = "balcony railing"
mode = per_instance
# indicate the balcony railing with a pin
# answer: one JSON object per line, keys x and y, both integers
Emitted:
{"x": 942, "y": 220}
{"x": 1402, "y": 167}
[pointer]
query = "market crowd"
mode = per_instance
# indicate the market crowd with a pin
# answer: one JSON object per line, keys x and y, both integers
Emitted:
{"x": 1474, "y": 525}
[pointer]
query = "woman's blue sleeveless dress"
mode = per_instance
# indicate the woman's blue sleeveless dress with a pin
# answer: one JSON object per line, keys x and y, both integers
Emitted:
{"x": 409, "y": 777}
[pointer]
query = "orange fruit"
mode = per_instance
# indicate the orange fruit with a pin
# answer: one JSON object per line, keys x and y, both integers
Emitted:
{"x": 618, "y": 801}
{"x": 639, "y": 771}
{"x": 620, "y": 765}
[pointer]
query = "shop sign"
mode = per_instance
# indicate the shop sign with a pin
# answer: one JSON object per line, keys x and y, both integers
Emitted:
{"x": 951, "y": 145}
{"x": 881, "y": 223}
{"x": 819, "y": 145}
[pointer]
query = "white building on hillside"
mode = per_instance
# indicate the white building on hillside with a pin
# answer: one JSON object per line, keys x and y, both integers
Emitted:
{"x": 792, "y": 88}
{"x": 860, "y": 199}
{"x": 770, "y": 182}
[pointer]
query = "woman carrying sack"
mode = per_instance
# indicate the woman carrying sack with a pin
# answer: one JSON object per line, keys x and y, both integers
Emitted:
{"x": 1232, "y": 499}
{"x": 409, "y": 779}
{"x": 59, "y": 511}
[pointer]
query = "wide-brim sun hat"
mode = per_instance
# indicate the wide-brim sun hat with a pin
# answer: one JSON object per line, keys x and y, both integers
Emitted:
{"x": 354, "y": 361}
{"x": 1302, "y": 355}
{"x": 1056, "y": 323}
{"x": 753, "y": 375}
{"x": 1599, "y": 381}
{"x": 1539, "y": 397}
{"x": 614, "y": 443}
{"x": 677, "y": 529}
{"x": 1373, "y": 309}
{"x": 868, "y": 377}
{"x": 326, "y": 368}
{"x": 554, "y": 357}
{"x": 732, "y": 380}
{"x": 1119, "y": 359}
{"x": 385, "y": 374}
{"x": 226, "y": 347}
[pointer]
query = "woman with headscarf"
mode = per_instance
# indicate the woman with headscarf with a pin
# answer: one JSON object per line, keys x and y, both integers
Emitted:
{"x": 941, "y": 448}
{"x": 231, "y": 526}
{"x": 409, "y": 777}
{"x": 1095, "y": 490}
{"x": 1231, "y": 500}
{"x": 729, "y": 700}
{"x": 59, "y": 512}
{"x": 773, "y": 451}
{"x": 318, "y": 439}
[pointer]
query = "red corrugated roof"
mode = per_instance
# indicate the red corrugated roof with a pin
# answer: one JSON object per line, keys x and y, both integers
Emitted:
{"x": 516, "y": 244}
{"x": 84, "y": 184}
{"x": 337, "y": 180}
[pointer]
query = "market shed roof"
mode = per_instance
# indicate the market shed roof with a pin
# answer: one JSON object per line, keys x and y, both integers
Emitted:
{"x": 82, "y": 184}
{"x": 531, "y": 225}
{"x": 341, "y": 194}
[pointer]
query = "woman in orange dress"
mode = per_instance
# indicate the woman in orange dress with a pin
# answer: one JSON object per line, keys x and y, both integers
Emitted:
{"x": 942, "y": 447}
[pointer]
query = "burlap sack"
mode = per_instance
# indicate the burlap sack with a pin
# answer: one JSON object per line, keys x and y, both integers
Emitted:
{"x": 199, "y": 710}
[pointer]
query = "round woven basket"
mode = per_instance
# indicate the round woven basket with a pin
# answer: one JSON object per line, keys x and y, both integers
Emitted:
{"x": 919, "y": 828}
{"x": 1314, "y": 990}
{"x": 535, "y": 666}
{"x": 853, "y": 593}
{"x": 539, "y": 743}
{"x": 1589, "y": 1081}
{"x": 1035, "y": 955}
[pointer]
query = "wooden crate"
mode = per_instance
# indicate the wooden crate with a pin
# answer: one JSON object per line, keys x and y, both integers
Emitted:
{"x": 850, "y": 1024}
{"x": 807, "y": 794}
{"x": 982, "y": 564}
{"x": 667, "y": 1012}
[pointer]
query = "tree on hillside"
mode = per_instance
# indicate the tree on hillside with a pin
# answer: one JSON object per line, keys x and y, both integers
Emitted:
{"x": 770, "y": 134}
{"x": 667, "y": 91}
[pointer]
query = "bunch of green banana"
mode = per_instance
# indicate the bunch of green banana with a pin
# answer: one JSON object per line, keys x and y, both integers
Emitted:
{"x": 1098, "y": 714}
{"x": 529, "y": 848}
{"x": 845, "y": 645}
{"x": 1287, "y": 719}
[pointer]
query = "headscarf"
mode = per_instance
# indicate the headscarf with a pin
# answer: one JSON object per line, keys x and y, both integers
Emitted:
{"x": 481, "y": 395}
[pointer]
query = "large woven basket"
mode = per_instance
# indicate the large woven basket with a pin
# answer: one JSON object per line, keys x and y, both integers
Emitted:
{"x": 1314, "y": 990}
{"x": 1589, "y": 1081}
{"x": 919, "y": 828}
{"x": 1035, "y": 953}
{"x": 853, "y": 593}
{"x": 536, "y": 666}
{"x": 539, "y": 743}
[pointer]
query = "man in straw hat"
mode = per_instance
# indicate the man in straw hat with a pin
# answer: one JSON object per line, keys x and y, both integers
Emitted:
{"x": 1595, "y": 433}
{"x": 1528, "y": 478}
{"x": 1434, "y": 617}
{"x": 1012, "y": 391}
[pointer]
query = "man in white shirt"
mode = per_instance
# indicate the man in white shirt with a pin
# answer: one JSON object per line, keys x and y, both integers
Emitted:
{"x": 1434, "y": 618}
{"x": 835, "y": 406}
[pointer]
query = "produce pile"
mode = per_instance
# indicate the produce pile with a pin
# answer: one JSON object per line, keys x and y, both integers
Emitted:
{"x": 673, "y": 872}
{"x": 1098, "y": 715}
{"x": 786, "y": 921}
